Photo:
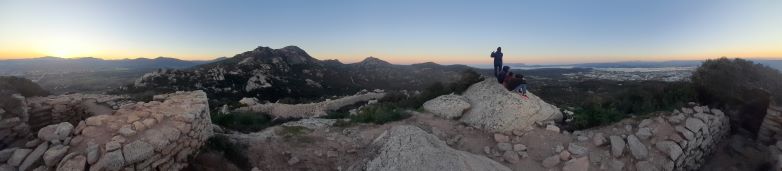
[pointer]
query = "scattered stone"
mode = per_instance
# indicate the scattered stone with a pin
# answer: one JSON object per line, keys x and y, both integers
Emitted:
{"x": 613, "y": 165}
{"x": 629, "y": 128}
{"x": 34, "y": 156}
{"x": 72, "y": 162}
{"x": 582, "y": 138}
{"x": 139, "y": 126}
{"x": 137, "y": 151}
{"x": 551, "y": 161}
{"x": 504, "y": 147}
{"x": 127, "y": 131}
{"x": 577, "y": 150}
{"x": 18, "y": 156}
{"x": 55, "y": 132}
{"x": 53, "y": 156}
{"x": 637, "y": 149}
{"x": 519, "y": 147}
{"x": 113, "y": 145}
{"x": 644, "y": 133}
{"x": 598, "y": 139}
{"x": 670, "y": 148}
{"x": 511, "y": 157}
{"x": 676, "y": 119}
{"x": 518, "y": 132}
{"x": 577, "y": 164}
{"x": 694, "y": 124}
{"x": 644, "y": 123}
{"x": 559, "y": 148}
{"x": 149, "y": 122}
{"x": 487, "y": 149}
{"x": 552, "y": 128}
{"x": 293, "y": 160}
{"x": 685, "y": 133}
{"x": 646, "y": 166}
{"x": 564, "y": 155}
{"x": 32, "y": 143}
{"x": 617, "y": 145}
{"x": 500, "y": 138}
{"x": 92, "y": 152}
{"x": 110, "y": 161}
{"x": 5, "y": 154}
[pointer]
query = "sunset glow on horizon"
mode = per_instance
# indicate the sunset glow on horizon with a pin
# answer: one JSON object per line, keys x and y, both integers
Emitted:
{"x": 403, "y": 32}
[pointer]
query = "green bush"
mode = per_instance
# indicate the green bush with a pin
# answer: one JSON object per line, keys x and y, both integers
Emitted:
{"x": 595, "y": 115}
{"x": 636, "y": 98}
{"x": 729, "y": 82}
{"x": 379, "y": 114}
{"x": 243, "y": 121}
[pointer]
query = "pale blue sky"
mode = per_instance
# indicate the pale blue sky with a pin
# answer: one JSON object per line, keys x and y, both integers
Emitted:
{"x": 404, "y": 31}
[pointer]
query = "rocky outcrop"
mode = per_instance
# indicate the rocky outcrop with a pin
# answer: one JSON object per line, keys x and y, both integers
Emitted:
{"x": 408, "y": 147}
{"x": 496, "y": 109}
{"x": 311, "y": 109}
{"x": 447, "y": 106}
{"x": 158, "y": 135}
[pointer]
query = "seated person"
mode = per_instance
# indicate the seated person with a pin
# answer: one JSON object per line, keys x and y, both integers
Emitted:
{"x": 516, "y": 83}
{"x": 503, "y": 73}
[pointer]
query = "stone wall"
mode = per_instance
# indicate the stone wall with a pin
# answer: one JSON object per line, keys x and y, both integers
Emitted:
{"x": 679, "y": 140}
{"x": 157, "y": 135}
{"x": 13, "y": 121}
{"x": 71, "y": 108}
{"x": 770, "y": 130}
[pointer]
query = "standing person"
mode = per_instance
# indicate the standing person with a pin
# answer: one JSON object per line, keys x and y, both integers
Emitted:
{"x": 497, "y": 55}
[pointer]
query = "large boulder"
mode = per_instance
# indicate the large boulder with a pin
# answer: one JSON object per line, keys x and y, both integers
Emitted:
{"x": 496, "y": 109}
{"x": 408, "y": 147}
{"x": 447, "y": 106}
{"x": 55, "y": 131}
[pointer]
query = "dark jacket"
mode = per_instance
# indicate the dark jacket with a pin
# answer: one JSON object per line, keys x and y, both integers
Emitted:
{"x": 497, "y": 56}
{"x": 511, "y": 82}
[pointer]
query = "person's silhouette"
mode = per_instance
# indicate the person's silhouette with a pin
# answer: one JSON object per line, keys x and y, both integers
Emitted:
{"x": 497, "y": 55}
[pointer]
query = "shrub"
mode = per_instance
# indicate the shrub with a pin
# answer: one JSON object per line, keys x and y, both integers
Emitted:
{"x": 379, "y": 114}
{"x": 243, "y": 121}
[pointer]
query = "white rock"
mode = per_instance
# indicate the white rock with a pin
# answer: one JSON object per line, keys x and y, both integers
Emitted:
{"x": 694, "y": 124}
{"x": 34, "y": 156}
{"x": 18, "y": 156}
{"x": 552, "y": 161}
{"x": 408, "y": 147}
{"x": 577, "y": 150}
{"x": 599, "y": 139}
{"x": 447, "y": 106}
{"x": 637, "y": 148}
{"x": 552, "y": 128}
{"x": 617, "y": 145}
{"x": 644, "y": 133}
{"x": 55, "y": 132}
{"x": 496, "y": 109}
{"x": 577, "y": 164}
{"x": 670, "y": 148}
{"x": 52, "y": 156}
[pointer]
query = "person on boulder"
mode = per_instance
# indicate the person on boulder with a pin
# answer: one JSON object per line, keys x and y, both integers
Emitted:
{"x": 503, "y": 74}
{"x": 497, "y": 55}
{"x": 517, "y": 84}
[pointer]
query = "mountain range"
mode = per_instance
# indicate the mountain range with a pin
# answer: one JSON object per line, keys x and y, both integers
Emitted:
{"x": 88, "y": 64}
{"x": 274, "y": 74}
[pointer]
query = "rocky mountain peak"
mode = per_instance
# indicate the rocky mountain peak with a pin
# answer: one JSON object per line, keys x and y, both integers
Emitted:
{"x": 372, "y": 61}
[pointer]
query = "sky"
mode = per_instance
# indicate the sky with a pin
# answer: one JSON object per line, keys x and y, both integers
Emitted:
{"x": 399, "y": 31}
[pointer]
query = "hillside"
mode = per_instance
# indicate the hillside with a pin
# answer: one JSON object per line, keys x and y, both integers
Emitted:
{"x": 291, "y": 74}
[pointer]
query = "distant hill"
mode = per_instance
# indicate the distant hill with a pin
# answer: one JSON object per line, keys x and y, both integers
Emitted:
{"x": 289, "y": 72}
{"x": 87, "y": 64}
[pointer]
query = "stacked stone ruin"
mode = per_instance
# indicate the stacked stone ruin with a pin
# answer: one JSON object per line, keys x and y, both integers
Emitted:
{"x": 681, "y": 140}
{"x": 156, "y": 135}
